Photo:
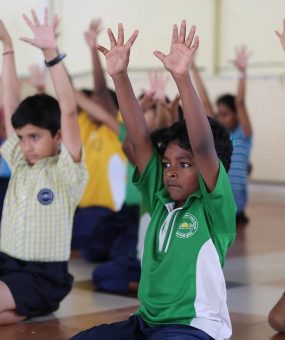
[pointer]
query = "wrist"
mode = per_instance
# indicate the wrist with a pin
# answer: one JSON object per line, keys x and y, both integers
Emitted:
{"x": 50, "y": 53}
{"x": 181, "y": 77}
{"x": 7, "y": 46}
{"x": 57, "y": 59}
{"x": 119, "y": 76}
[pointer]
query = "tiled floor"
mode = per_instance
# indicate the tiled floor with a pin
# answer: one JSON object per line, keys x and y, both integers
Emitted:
{"x": 254, "y": 271}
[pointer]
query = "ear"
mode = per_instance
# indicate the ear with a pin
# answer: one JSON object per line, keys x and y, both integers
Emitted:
{"x": 57, "y": 137}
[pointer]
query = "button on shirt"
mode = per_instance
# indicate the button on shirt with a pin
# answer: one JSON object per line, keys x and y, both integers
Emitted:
{"x": 39, "y": 205}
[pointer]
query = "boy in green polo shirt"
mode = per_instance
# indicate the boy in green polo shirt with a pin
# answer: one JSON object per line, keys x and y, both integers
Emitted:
{"x": 182, "y": 289}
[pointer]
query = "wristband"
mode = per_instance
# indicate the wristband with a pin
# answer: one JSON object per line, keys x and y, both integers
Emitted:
{"x": 56, "y": 60}
{"x": 8, "y": 52}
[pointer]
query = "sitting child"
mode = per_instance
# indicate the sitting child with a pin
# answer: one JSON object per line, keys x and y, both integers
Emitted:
{"x": 48, "y": 176}
{"x": 182, "y": 289}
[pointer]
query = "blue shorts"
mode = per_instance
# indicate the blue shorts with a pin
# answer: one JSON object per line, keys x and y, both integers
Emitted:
{"x": 136, "y": 329}
{"x": 37, "y": 287}
{"x": 115, "y": 276}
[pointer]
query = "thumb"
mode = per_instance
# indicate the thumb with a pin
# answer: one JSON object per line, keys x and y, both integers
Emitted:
{"x": 159, "y": 55}
{"x": 28, "y": 40}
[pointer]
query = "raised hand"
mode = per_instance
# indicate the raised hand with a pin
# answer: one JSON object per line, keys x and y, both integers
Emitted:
{"x": 241, "y": 58}
{"x": 4, "y": 35}
{"x": 182, "y": 50}
{"x": 281, "y": 36}
{"x": 157, "y": 84}
{"x": 117, "y": 57}
{"x": 94, "y": 30}
{"x": 44, "y": 35}
{"x": 147, "y": 101}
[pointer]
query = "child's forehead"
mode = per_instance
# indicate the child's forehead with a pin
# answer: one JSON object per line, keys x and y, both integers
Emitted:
{"x": 31, "y": 129}
{"x": 176, "y": 151}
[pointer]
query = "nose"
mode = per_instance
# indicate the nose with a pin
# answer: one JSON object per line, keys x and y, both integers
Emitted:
{"x": 27, "y": 146}
{"x": 172, "y": 173}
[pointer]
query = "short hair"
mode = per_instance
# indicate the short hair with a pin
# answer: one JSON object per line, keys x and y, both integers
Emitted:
{"x": 228, "y": 100}
{"x": 177, "y": 133}
{"x": 40, "y": 110}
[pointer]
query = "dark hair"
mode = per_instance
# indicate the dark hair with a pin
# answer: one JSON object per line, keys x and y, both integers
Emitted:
{"x": 88, "y": 93}
{"x": 177, "y": 133}
{"x": 228, "y": 100}
{"x": 40, "y": 110}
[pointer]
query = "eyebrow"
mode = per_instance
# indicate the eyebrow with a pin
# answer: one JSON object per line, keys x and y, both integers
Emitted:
{"x": 188, "y": 158}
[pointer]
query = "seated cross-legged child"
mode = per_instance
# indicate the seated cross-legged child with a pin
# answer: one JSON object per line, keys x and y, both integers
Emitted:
{"x": 48, "y": 176}
{"x": 182, "y": 289}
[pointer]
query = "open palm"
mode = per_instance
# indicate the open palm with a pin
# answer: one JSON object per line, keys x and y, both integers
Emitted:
{"x": 182, "y": 50}
{"x": 44, "y": 34}
{"x": 117, "y": 58}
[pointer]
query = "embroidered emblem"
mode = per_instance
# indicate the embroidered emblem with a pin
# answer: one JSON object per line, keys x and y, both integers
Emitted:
{"x": 45, "y": 196}
{"x": 188, "y": 226}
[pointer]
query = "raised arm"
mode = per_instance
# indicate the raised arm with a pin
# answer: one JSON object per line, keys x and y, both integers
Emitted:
{"x": 177, "y": 62}
{"x": 100, "y": 90}
{"x": 97, "y": 111}
{"x": 10, "y": 81}
{"x": 44, "y": 39}
{"x": 201, "y": 89}
{"x": 281, "y": 36}
{"x": 240, "y": 63}
{"x": 117, "y": 59}
{"x": 37, "y": 77}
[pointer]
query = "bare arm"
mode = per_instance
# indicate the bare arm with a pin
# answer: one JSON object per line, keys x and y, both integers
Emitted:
{"x": 241, "y": 64}
{"x": 10, "y": 81}
{"x": 202, "y": 92}
{"x": 100, "y": 90}
{"x": 37, "y": 78}
{"x": 281, "y": 36}
{"x": 117, "y": 59}
{"x": 97, "y": 111}
{"x": 177, "y": 62}
{"x": 44, "y": 38}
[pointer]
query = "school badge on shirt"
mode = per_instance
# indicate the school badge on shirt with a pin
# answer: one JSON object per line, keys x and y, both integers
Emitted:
{"x": 187, "y": 227}
{"x": 45, "y": 196}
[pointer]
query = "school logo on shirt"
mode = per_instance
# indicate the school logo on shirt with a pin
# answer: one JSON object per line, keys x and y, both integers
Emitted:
{"x": 188, "y": 226}
{"x": 45, "y": 196}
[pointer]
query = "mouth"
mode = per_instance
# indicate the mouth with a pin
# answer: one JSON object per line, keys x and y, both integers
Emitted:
{"x": 30, "y": 158}
{"x": 173, "y": 186}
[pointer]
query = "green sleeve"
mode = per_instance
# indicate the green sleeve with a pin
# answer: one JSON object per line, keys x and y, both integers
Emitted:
{"x": 150, "y": 181}
{"x": 123, "y": 132}
{"x": 220, "y": 211}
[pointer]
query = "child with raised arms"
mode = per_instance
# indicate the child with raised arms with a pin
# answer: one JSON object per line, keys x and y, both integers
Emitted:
{"x": 182, "y": 289}
{"x": 43, "y": 150}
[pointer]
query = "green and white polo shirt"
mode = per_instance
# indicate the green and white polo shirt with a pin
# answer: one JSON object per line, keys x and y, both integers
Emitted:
{"x": 182, "y": 281}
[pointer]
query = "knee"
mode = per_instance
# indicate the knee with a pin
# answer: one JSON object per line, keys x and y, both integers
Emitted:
{"x": 277, "y": 320}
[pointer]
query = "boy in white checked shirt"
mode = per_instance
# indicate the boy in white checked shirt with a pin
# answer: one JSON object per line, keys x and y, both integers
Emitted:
{"x": 44, "y": 153}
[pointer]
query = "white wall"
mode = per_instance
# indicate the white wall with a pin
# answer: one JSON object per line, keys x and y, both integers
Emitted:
{"x": 252, "y": 22}
{"x": 11, "y": 12}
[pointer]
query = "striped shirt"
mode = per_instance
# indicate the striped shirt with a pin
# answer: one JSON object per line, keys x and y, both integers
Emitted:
{"x": 39, "y": 204}
{"x": 238, "y": 172}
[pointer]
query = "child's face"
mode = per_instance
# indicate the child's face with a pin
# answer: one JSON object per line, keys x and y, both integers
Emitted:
{"x": 226, "y": 116}
{"x": 37, "y": 143}
{"x": 179, "y": 173}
